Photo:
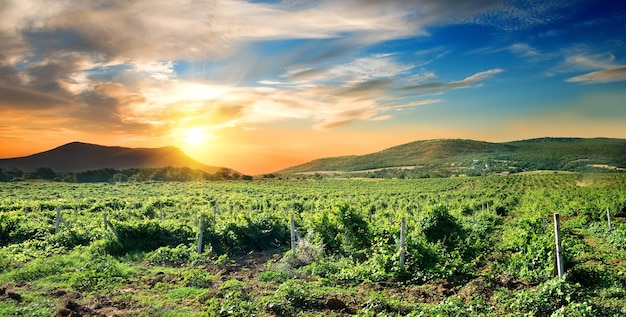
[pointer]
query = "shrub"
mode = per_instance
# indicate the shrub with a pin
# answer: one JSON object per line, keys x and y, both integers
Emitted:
{"x": 100, "y": 272}
{"x": 440, "y": 226}
{"x": 169, "y": 256}
{"x": 144, "y": 236}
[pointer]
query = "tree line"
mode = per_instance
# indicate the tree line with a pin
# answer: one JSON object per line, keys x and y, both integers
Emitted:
{"x": 169, "y": 173}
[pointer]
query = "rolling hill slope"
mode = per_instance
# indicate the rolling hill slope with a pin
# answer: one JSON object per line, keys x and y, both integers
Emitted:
{"x": 535, "y": 154}
{"x": 77, "y": 157}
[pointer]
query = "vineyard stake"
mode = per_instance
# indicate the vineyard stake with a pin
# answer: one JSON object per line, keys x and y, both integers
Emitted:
{"x": 402, "y": 242}
{"x": 559, "y": 251}
{"x": 200, "y": 233}
{"x": 161, "y": 211}
{"x": 608, "y": 217}
{"x": 105, "y": 221}
{"x": 216, "y": 208}
{"x": 58, "y": 220}
{"x": 292, "y": 227}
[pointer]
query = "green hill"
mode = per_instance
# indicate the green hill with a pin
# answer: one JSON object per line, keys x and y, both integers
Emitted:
{"x": 469, "y": 156}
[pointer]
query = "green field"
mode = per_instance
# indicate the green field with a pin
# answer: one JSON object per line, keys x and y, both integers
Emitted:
{"x": 476, "y": 246}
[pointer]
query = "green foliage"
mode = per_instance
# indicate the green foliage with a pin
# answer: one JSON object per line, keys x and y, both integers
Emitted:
{"x": 15, "y": 228}
{"x": 73, "y": 237}
{"x": 263, "y": 232}
{"x": 551, "y": 296}
{"x": 147, "y": 235}
{"x": 342, "y": 230}
{"x": 292, "y": 297}
{"x": 100, "y": 272}
{"x": 451, "y": 306}
{"x": 169, "y": 256}
{"x": 198, "y": 278}
{"x": 464, "y": 256}
{"x": 235, "y": 301}
{"x": 440, "y": 226}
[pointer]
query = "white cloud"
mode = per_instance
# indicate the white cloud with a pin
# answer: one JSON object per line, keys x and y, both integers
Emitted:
{"x": 603, "y": 76}
{"x": 590, "y": 62}
{"x": 603, "y": 67}
{"x": 159, "y": 70}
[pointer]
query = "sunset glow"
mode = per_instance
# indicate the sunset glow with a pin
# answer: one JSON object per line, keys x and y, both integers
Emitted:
{"x": 261, "y": 85}
{"x": 195, "y": 137}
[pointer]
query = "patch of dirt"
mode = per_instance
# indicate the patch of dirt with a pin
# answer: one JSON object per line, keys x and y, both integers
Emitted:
{"x": 244, "y": 267}
{"x": 510, "y": 282}
{"x": 335, "y": 304}
{"x": 7, "y": 291}
{"x": 65, "y": 294}
{"x": 478, "y": 288}
{"x": 162, "y": 277}
{"x": 97, "y": 306}
{"x": 445, "y": 288}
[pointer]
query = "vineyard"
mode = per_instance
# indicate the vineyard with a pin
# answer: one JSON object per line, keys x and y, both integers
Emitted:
{"x": 475, "y": 246}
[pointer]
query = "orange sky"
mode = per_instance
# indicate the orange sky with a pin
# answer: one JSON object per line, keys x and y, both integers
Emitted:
{"x": 269, "y": 148}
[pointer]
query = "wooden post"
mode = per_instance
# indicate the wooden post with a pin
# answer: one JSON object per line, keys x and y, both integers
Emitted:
{"x": 292, "y": 227}
{"x": 473, "y": 215}
{"x": 402, "y": 242}
{"x": 161, "y": 216}
{"x": 418, "y": 211}
{"x": 215, "y": 211}
{"x": 608, "y": 217}
{"x": 58, "y": 220}
{"x": 105, "y": 221}
{"x": 200, "y": 233}
{"x": 559, "y": 251}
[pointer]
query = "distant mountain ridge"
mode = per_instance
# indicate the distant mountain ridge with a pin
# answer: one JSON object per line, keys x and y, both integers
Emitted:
{"x": 568, "y": 154}
{"x": 78, "y": 157}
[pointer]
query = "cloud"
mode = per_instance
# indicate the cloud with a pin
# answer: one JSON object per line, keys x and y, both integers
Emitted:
{"x": 412, "y": 104}
{"x": 124, "y": 65}
{"x": 589, "y": 62}
{"x": 604, "y": 68}
{"x": 18, "y": 98}
{"x": 465, "y": 83}
{"x": 159, "y": 70}
{"x": 603, "y": 76}
{"x": 526, "y": 14}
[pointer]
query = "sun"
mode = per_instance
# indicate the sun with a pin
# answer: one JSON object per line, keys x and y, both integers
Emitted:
{"x": 195, "y": 136}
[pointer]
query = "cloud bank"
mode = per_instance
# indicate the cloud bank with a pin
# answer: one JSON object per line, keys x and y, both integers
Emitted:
{"x": 126, "y": 64}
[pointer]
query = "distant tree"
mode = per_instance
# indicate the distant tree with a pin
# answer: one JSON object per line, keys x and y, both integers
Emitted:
{"x": 95, "y": 176}
{"x": 246, "y": 177}
{"x": 45, "y": 173}
{"x": 224, "y": 173}
{"x": 119, "y": 178}
{"x": 13, "y": 173}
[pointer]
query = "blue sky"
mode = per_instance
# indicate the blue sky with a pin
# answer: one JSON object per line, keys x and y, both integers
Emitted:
{"x": 259, "y": 86}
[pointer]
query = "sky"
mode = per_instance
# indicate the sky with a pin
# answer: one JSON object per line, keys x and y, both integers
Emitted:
{"x": 258, "y": 86}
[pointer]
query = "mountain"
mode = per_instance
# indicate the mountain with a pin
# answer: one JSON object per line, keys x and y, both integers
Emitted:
{"x": 569, "y": 154}
{"x": 77, "y": 157}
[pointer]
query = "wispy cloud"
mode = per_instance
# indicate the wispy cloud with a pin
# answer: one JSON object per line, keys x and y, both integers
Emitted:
{"x": 525, "y": 14}
{"x": 603, "y": 76}
{"x": 588, "y": 62}
{"x": 605, "y": 68}
{"x": 465, "y": 83}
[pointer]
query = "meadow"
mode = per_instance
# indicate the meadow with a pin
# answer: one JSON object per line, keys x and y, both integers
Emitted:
{"x": 474, "y": 246}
